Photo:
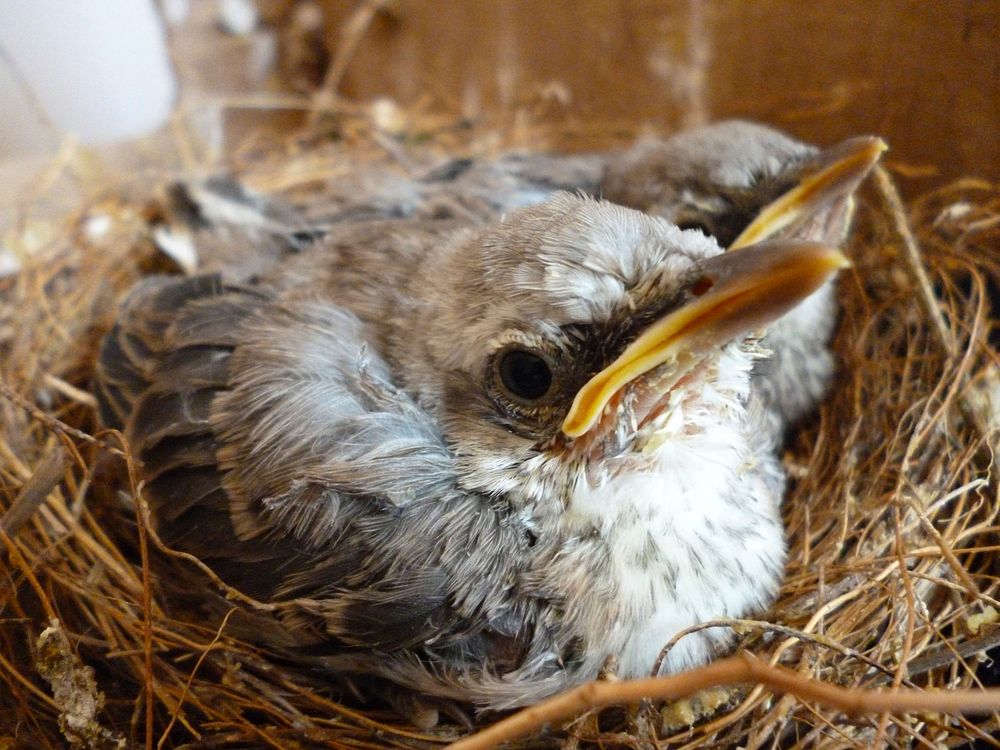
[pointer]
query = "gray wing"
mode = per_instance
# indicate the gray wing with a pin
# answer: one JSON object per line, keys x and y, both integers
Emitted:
{"x": 274, "y": 447}
{"x": 467, "y": 189}
{"x": 228, "y": 228}
{"x": 217, "y": 224}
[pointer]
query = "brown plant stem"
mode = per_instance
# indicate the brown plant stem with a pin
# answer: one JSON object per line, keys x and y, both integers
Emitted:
{"x": 741, "y": 668}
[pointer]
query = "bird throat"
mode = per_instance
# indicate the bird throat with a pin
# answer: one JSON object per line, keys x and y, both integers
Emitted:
{"x": 639, "y": 419}
{"x": 639, "y": 457}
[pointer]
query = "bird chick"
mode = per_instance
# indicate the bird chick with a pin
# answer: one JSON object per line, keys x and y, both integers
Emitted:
{"x": 476, "y": 461}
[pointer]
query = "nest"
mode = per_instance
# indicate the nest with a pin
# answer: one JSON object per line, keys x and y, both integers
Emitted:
{"x": 891, "y": 512}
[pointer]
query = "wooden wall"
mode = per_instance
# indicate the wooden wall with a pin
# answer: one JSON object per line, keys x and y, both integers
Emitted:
{"x": 925, "y": 74}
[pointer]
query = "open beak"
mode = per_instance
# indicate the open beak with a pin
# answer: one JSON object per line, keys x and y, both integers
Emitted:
{"x": 738, "y": 291}
{"x": 825, "y": 184}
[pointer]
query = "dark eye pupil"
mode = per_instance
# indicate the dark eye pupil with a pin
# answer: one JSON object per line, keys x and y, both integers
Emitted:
{"x": 524, "y": 374}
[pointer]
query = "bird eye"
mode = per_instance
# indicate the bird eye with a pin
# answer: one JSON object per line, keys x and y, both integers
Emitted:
{"x": 524, "y": 374}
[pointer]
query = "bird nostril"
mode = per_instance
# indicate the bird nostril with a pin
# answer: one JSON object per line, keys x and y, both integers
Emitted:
{"x": 701, "y": 286}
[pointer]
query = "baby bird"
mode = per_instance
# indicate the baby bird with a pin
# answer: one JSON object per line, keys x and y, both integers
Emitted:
{"x": 475, "y": 459}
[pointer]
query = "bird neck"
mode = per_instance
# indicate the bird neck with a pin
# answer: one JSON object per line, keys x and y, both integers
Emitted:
{"x": 693, "y": 452}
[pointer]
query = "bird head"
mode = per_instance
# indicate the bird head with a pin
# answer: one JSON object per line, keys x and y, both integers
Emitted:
{"x": 741, "y": 182}
{"x": 577, "y": 341}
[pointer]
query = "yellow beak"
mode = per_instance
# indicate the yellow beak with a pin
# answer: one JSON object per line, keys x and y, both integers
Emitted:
{"x": 739, "y": 291}
{"x": 831, "y": 176}
{"x": 748, "y": 287}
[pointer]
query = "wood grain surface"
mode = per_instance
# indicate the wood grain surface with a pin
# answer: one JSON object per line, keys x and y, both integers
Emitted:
{"x": 925, "y": 74}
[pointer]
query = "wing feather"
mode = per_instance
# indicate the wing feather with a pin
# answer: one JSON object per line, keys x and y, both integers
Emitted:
{"x": 276, "y": 448}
